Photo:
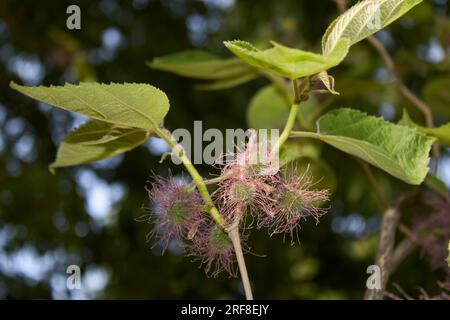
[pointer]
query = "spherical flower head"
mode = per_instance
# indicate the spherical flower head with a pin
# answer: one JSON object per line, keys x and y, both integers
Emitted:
{"x": 255, "y": 160}
{"x": 175, "y": 211}
{"x": 213, "y": 248}
{"x": 294, "y": 200}
{"x": 236, "y": 197}
{"x": 247, "y": 182}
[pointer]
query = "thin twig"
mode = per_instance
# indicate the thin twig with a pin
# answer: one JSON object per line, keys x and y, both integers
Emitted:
{"x": 233, "y": 233}
{"x": 408, "y": 244}
{"x": 384, "y": 251}
{"x": 407, "y": 93}
{"x": 385, "y": 248}
{"x": 342, "y": 5}
{"x": 403, "y": 249}
{"x": 216, "y": 180}
{"x": 408, "y": 233}
{"x": 402, "y": 292}
{"x": 235, "y": 239}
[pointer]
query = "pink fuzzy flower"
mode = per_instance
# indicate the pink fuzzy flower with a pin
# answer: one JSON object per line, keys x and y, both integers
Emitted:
{"x": 247, "y": 182}
{"x": 212, "y": 247}
{"x": 293, "y": 200}
{"x": 176, "y": 210}
{"x": 237, "y": 196}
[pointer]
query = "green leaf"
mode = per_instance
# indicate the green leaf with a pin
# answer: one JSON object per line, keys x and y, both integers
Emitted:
{"x": 227, "y": 83}
{"x": 400, "y": 151}
{"x": 364, "y": 19}
{"x": 199, "y": 64}
{"x": 129, "y": 104}
{"x": 288, "y": 62}
{"x": 442, "y": 133}
{"x": 269, "y": 109}
{"x": 96, "y": 140}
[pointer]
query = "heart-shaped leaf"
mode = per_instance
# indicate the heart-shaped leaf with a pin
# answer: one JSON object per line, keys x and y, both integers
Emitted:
{"x": 401, "y": 151}
{"x": 288, "y": 62}
{"x": 129, "y": 104}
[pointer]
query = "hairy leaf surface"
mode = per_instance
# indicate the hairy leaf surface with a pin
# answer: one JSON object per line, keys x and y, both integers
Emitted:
{"x": 401, "y": 151}
{"x": 129, "y": 104}
{"x": 288, "y": 62}
{"x": 364, "y": 19}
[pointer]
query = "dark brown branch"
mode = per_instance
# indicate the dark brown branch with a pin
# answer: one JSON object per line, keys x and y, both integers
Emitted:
{"x": 403, "y": 249}
{"x": 342, "y": 5}
{"x": 388, "y": 257}
{"x": 385, "y": 250}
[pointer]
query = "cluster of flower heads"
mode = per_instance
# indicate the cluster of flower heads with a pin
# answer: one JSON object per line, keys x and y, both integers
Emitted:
{"x": 248, "y": 188}
{"x": 276, "y": 199}
{"x": 177, "y": 212}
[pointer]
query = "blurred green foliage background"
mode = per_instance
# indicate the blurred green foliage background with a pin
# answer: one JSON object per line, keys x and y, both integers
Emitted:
{"x": 86, "y": 215}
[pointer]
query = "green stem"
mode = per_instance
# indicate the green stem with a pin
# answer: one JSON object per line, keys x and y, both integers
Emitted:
{"x": 236, "y": 241}
{"x": 306, "y": 134}
{"x": 200, "y": 183}
{"x": 216, "y": 180}
{"x": 291, "y": 118}
{"x": 287, "y": 128}
{"x": 233, "y": 233}
{"x": 297, "y": 93}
